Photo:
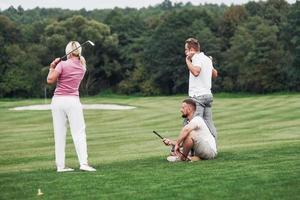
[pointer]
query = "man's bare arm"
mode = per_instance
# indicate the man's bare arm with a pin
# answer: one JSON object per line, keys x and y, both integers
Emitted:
{"x": 183, "y": 134}
{"x": 195, "y": 70}
{"x": 214, "y": 73}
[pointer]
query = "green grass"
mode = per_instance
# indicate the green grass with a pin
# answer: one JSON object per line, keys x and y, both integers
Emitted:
{"x": 259, "y": 148}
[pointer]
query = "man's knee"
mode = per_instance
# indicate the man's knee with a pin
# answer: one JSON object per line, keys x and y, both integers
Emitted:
{"x": 188, "y": 140}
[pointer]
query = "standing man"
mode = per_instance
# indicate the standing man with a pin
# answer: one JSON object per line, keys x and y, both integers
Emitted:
{"x": 201, "y": 71}
{"x": 194, "y": 135}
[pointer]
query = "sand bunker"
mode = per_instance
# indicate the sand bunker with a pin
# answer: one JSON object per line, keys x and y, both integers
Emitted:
{"x": 85, "y": 106}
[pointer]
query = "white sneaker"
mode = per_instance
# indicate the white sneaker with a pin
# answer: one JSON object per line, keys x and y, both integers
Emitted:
{"x": 66, "y": 169}
{"x": 87, "y": 168}
{"x": 173, "y": 159}
{"x": 194, "y": 158}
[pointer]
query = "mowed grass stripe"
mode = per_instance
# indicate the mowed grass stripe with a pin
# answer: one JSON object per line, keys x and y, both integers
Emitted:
{"x": 258, "y": 147}
{"x": 148, "y": 120}
{"x": 125, "y": 129}
{"x": 250, "y": 177}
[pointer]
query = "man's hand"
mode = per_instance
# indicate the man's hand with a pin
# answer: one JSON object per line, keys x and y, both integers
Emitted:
{"x": 54, "y": 63}
{"x": 189, "y": 57}
{"x": 167, "y": 142}
{"x": 194, "y": 70}
{"x": 177, "y": 148}
{"x": 214, "y": 73}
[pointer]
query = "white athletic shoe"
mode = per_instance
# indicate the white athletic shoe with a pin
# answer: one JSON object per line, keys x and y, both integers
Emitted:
{"x": 87, "y": 168}
{"x": 173, "y": 159}
{"x": 195, "y": 158}
{"x": 66, "y": 169}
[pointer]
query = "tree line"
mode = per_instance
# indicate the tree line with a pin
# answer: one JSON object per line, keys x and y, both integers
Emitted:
{"x": 255, "y": 47}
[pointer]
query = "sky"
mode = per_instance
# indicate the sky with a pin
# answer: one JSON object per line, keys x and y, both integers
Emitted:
{"x": 102, "y": 4}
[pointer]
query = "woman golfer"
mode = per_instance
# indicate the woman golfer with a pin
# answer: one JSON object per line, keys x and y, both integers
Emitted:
{"x": 66, "y": 105}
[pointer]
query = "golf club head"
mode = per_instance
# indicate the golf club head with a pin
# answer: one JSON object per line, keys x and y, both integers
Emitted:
{"x": 91, "y": 43}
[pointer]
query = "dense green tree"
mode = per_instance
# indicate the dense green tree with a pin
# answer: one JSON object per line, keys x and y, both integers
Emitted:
{"x": 166, "y": 5}
{"x": 291, "y": 38}
{"x": 255, "y": 59}
{"x": 129, "y": 28}
{"x": 234, "y": 16}
{"x": 22, "y": 77}
{"x": 275, "y": 11}
{"x": 255, "y": 8}
{"x": 9, "y": 32}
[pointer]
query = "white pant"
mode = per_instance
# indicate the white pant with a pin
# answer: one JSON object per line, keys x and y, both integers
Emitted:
{"x": 63, "y": 108}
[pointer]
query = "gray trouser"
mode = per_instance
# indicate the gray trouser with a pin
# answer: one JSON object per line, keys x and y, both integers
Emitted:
{"x": 203, "y": 110}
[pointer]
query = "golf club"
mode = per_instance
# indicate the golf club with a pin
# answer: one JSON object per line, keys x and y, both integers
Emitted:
{"x": 158, "y": 135}
{"x": 172, "y": 145}
{"x": 86, "y": 42}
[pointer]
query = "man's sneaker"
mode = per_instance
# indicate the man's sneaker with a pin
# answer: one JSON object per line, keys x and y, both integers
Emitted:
{"x": 66, "y": 169}
{"x": 194, "y": 158}
{"x": 87, "y": 168}
{"x": 173, "y": 159}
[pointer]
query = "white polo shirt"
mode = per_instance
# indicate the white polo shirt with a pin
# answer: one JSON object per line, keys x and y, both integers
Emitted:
{"x": 201, "y": 84}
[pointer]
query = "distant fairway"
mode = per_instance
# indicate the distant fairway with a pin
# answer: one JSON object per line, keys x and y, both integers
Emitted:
{"x": 259, "y": 148}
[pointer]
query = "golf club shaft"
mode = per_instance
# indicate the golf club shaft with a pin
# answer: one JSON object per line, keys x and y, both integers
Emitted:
{"x": 158, "y": 135}
{"x": 73, "y": 50}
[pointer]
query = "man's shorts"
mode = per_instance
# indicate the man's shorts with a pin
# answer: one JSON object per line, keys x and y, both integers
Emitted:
{"x": 202, "y": 148}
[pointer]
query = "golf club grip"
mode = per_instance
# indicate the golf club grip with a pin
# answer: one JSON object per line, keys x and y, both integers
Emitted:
{"x": 158, "y": 135}
{"x": 61, "y": 58}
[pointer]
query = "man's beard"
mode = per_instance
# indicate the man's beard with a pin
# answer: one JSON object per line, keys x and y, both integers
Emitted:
{"x": 184, "y": 115}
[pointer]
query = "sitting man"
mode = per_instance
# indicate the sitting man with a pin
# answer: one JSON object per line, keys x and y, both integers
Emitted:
{"x": 194, "y": 135}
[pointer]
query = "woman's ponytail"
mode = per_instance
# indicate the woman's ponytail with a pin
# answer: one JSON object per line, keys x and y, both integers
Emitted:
{"x": 82, "y": 61}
